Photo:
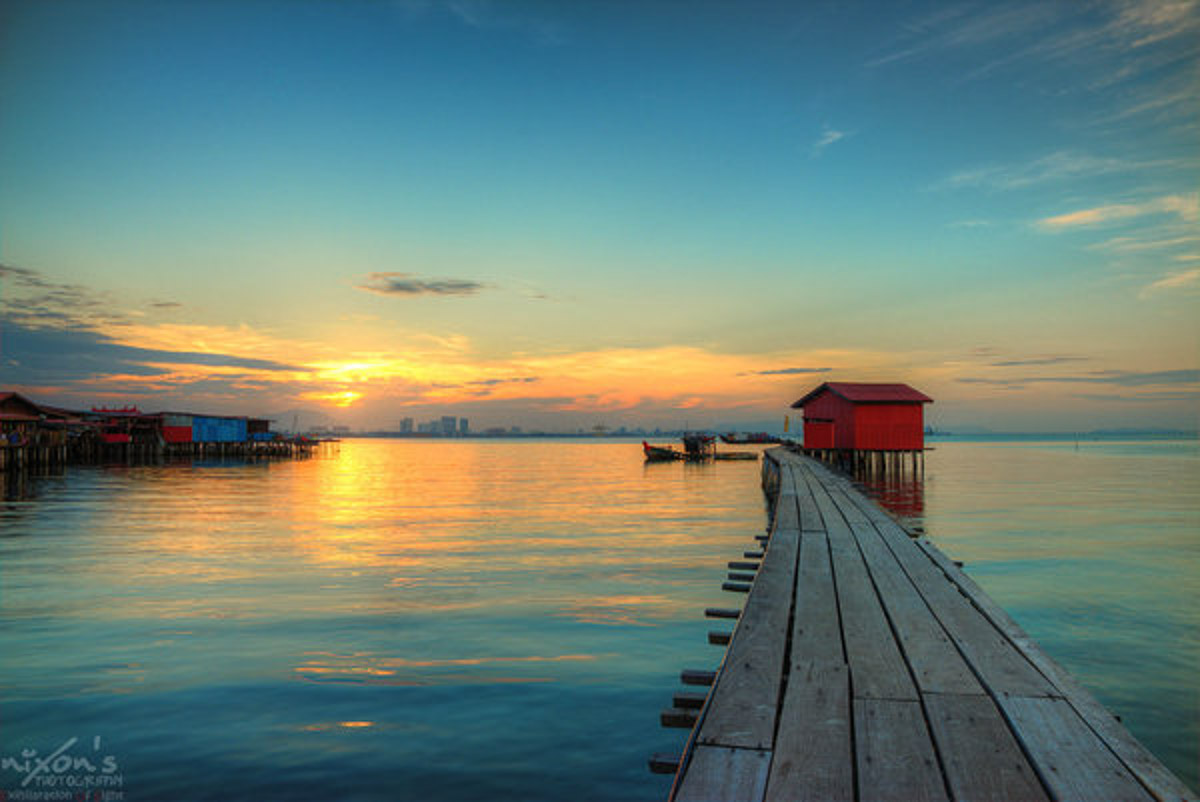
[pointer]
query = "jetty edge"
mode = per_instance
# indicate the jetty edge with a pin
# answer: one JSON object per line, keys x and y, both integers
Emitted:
{"x": 865, "y": 664}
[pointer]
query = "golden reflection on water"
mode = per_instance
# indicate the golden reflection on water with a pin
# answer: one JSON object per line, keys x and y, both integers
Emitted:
{"x": 424, "y": 535}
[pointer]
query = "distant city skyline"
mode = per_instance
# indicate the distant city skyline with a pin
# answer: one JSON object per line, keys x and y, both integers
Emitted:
{"x": 564, "y": 215}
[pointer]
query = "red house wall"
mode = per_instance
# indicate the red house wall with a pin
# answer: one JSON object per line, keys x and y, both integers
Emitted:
{"x": 830, "y": 407}
{"x": 818, "y": 434}
{"x": 831, "y": 421}
{"x": 889, "y": 427}
{"x": 177, "y": 434}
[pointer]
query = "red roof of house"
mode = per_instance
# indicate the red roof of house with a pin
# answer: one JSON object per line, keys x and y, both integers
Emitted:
{"x": 861, "y": 393}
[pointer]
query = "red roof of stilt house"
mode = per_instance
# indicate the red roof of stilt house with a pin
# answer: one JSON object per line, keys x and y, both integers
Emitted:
{"x": 861, "y": 393}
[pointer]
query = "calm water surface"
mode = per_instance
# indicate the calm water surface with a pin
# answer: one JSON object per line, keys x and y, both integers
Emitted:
{"x": 504, "y": 620}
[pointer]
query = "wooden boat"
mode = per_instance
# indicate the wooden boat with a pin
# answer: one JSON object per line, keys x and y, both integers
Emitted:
{"x": 735, "y": 455}
{"x": 660, "y": 453}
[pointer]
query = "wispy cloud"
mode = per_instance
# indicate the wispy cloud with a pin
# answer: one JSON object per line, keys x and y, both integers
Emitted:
{"x": 407, "y": 284}
{"x": 785, "y": 372}
{"x": 1061, "y": 165}
{"x": 1173, "y": 281}
{"x": 32, "y": 300}
{"x": 1123, "y": 378}
{"x": 1187, "y": 207}
{"x": 1128, "y": 244}
{"x": 828, "y": 137}
{"x": 1160, "y": 396}
{"x": 35, "y": 356}
{"x": 1041, "y": 360}
{"x": 962, "y": 26}
{"x": 1067, "y": 48}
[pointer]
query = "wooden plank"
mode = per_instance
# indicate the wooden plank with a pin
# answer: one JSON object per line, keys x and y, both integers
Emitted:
{"x": 718, "y": 638}
{"x": 985, "y": 645}
{"x": 810, "y": 516}
{"x": 786, "y": 515}
{"x": 723, "y": 773}
{"x": 1002, "y": 668}
{"x": 1071, "y": 760}
{"x": 691, "y": 676}
{"x": 893, "y": 752}
{"x": 877, "y": 667}
{"x": 663, "y": 763}
{"x": 745, "y": 699}
{"x": 980, "y": 757}
{"x": 680, "y": 717}
{"x": 721, "y": 612}
{"x": 816, "y": 625}
{"x": 813, "y": 757}
{"x": 936, "y": 664}
{"x": 1156, "y": 777}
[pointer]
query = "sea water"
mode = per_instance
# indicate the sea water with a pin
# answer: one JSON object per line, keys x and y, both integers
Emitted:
{"x": 504, "y": 619}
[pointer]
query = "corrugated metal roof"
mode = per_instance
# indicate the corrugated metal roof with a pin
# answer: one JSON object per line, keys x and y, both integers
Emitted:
{"x": 861, "y": 393}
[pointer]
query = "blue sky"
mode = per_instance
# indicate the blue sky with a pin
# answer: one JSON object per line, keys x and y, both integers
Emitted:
{"x": 567, "y": 214}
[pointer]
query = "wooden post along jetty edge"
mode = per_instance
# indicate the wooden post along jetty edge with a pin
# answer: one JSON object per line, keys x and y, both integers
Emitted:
{"x": 865, "y": 665}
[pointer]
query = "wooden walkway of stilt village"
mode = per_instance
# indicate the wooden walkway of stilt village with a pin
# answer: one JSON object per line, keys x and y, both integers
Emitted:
{"x": 865, "y": 665}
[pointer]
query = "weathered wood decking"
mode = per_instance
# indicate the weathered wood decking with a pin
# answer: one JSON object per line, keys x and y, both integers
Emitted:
{"x": 865, "y": 665}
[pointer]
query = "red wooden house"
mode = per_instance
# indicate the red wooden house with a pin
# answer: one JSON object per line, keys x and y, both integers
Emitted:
{"x": 18, "y": 416}
{"x": 864, "y": 417}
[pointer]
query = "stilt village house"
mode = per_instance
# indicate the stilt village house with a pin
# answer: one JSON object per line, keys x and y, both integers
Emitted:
{"x": 850, "y": 416}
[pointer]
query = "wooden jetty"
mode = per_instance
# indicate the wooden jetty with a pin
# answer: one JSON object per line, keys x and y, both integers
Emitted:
{"x": 865, "y": 665}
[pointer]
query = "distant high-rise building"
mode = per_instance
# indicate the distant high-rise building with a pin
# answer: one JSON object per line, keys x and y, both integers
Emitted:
{"x": 449, "y": 425}
{"x": 406, "y": 425}
{"x": 463, "y": 426}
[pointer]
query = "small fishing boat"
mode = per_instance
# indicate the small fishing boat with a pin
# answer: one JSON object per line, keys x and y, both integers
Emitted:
{"x": 660, "y": 453}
